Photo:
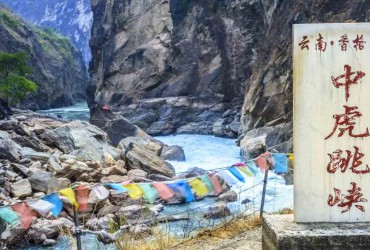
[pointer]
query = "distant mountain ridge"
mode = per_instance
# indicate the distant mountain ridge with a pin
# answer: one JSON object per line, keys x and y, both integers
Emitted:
{"x": 72, "y": 18}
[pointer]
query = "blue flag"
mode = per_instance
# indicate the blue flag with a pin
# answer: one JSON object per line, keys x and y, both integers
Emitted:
{"x": 281, "y": 163}
{"x": 237, "y": 173}
{"x": 182, "y": 188}
{"x": 118, "y": 187}
{"x": 56, "y": 201}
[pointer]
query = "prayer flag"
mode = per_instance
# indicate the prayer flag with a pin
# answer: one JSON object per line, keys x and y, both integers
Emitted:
{"x": 26, "y": 215}
{"x": 239, "y": 164}
{"x": 246, "y": 171}
{"x": 9, "y": 216}
{"x": 150, "y": 193}
{"x": 118, "y": 187}
{"x": 134, "y": 191}
{"x": 281, "y": 163}
{"x": 207, "y": 181}
{"x": 82, "y": 195}
{"x": 252, "y": 167}
{"x": 228, "y": 177}
{"x": 101, "y": 192}
{"x": 70, "y": 195}
{"x": 237, "y": 173}
{"x": 41, "y": 206}
{"x": 164, "y": 192}
{"x": 183, "y": 189}
{"x": 262, "y": 163}
{"x": 215, "y": 179}
{"x": 56, "y": 201}
{"x": 199, "y": 187}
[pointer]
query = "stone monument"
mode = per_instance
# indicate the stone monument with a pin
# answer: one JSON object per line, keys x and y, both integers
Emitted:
{"x": 331, "y": 74}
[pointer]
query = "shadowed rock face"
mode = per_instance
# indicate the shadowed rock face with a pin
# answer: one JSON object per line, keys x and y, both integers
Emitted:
{"x": 173, "y": 66}
{"x": 58, "y": 68}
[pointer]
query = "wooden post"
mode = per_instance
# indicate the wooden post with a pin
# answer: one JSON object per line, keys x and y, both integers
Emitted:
{"x": 264, "y": 189}
{"x": 77, "y": 228}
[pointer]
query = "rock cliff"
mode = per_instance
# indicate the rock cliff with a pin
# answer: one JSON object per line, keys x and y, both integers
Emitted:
{"x": 174, "y": 66}
{"x": 58, "y": 68}
{"x": 213, "y": 67}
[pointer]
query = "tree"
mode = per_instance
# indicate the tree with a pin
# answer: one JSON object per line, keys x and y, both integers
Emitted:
{"x": 14, "y": 84}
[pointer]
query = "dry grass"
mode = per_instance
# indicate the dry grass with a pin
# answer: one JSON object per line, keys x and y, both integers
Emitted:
{"x": 158, "y": 241}
{"x": 285, "y": 211}
{"x": 228, "y": 230}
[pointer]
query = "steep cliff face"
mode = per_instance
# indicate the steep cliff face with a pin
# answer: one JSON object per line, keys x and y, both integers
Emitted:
{"x": 58, "y": 68}
{"x": 267, "y": 109}
{"x": 72, "y": 18}
{"x": 174, "y": 66}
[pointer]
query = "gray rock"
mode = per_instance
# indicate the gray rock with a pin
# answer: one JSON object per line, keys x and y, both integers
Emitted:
{"x": 173, "y": 153}
{"x": 26, "y": 172}
{"x": 56, "y": 184}
{"x": 148, "y": 143}
{"x": 40, "y": 181}
{"x": 53, "y": 166}
{"x": 84, "y": 140}
{"x": 29, "y": 153}
{"x": 140, "y": 158}
{"x": 133, "y": 173}
{"x": 9, "y": 150}
{"x": 219, "y": 210}
{"x": 21, "y": 189}
{"x": 229, "y": 196}
{"x": 114, "y": 179}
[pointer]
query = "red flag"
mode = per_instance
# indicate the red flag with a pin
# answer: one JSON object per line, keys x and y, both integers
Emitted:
{"x": 163, "y": 190}
{"x": 25, "y": 214}
{"x": 82, "y": 195}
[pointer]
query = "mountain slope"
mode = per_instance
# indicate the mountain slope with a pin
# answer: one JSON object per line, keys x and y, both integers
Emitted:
{"x": 58, "y": 68}
{"x": 72, "y": 18}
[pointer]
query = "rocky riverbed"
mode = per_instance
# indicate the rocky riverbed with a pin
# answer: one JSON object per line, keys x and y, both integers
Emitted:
{"x": 40, "y": 155}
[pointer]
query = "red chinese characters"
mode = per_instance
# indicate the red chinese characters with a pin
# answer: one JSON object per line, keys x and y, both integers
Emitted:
{"x": 346, "y": 122}
{"x": 353, "y": 197}
{"x": 343, "y": 42}
{"x": 341, "y": 161}
{"x": 359, "y": 42}
{"x": 304, "y": 43}
{"x": 349, "y": 78}
{"x": 321, "y": 45}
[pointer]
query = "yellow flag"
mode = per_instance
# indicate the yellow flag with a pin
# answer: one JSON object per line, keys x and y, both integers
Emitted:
{"x": 70, "y": 195}
{"x": 134, "y": 191}
{"x": 199, "y": 187}
{"x": 246, "y": 171}
{"x": 291, "y": 160}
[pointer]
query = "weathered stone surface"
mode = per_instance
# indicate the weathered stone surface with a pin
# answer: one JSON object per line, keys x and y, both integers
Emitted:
{"x": 9, "y": 150}
{"x": 29, "y": 153}
{"x": 219, "y": 210}
{"x": 81, "y": 139}
{"x": 56, "y": 184}
{"x": 21, "y": 188}
{"x": 143, "y": 159}
{"x": 114, "y": 179}
{"x": 53, "y": 166}
{"x": 40, "y": 181}
{"x": 148, "y": 143}
{"x": 280, "y": 232}
{"x": 173, "y": 153}
{"x": 151, "y": 82}
{"x": 229, "y": 196}
{"x": 134, "y": 173}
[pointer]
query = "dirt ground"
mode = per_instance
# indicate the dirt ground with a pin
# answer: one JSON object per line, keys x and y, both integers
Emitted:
{"x": 249, "y": 240}
{"x": 239, "y": 234}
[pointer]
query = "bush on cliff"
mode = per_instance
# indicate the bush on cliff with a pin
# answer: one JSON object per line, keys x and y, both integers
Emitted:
{"x": 14, "y": 84}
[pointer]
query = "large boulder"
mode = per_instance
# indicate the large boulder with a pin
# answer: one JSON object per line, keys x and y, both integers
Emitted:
{"x": 82, "y": 139}
{"x": 173, "y": 153}
{"x": 141, "y": 158}
{"x": 9, "y": 150}
{"x": 21, "y": 189}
